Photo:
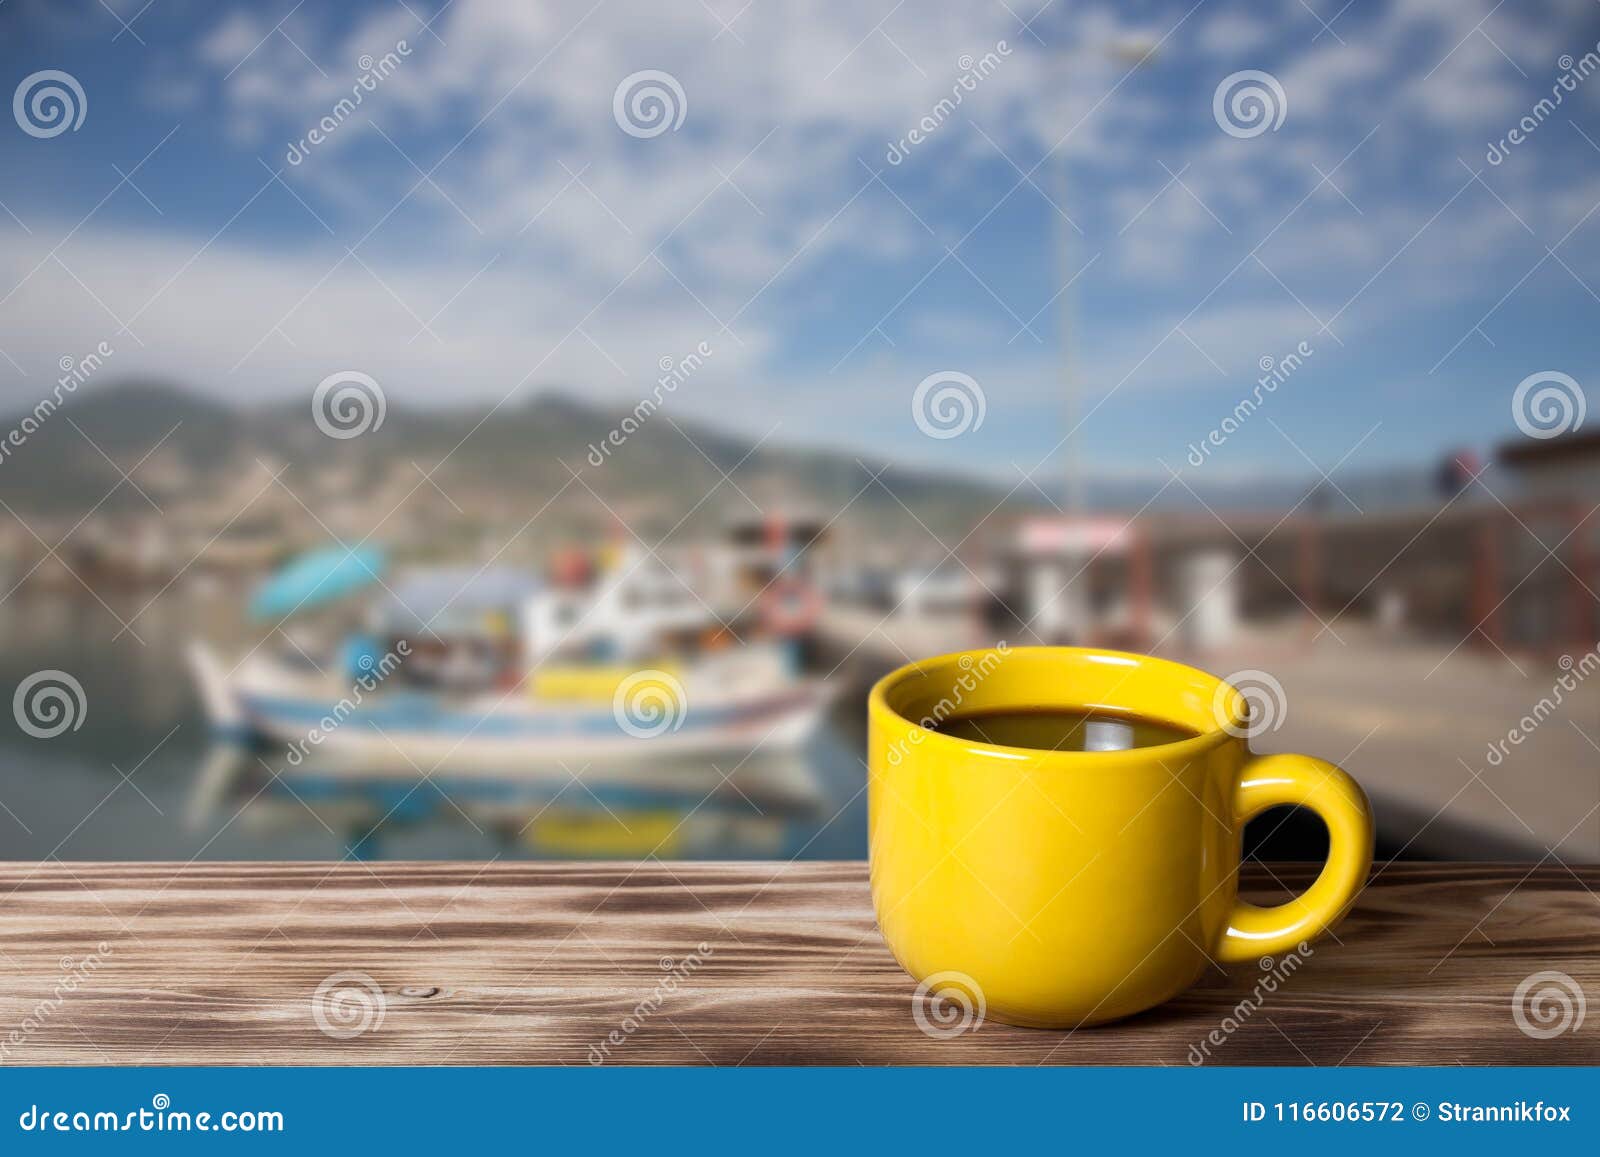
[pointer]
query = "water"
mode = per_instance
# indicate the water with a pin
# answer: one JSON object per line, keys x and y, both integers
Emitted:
{"x": 119, "y": 784}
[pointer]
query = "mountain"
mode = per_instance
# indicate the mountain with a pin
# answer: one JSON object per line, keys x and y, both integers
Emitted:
{"x": 493, "y": 465}
{"x": 500, "y": 467}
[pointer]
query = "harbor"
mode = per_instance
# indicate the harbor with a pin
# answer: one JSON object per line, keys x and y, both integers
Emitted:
{"x": 701, "y": 698}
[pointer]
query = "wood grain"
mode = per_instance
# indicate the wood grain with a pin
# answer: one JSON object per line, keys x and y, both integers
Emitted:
{"x": 537, "y": 963}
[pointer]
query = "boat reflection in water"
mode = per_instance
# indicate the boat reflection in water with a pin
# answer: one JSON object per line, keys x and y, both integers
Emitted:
{"x": 601, "y": 708}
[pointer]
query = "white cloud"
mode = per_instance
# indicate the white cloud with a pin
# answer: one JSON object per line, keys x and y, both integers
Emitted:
{"x": 1233, "y": 34}
{"x": 245, "y": 323}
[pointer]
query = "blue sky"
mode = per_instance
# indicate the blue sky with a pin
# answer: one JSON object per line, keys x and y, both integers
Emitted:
{"x": 482, "y": 227}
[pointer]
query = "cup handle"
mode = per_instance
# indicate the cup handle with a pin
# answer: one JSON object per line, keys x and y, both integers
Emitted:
{"x": 1270, "y": 780}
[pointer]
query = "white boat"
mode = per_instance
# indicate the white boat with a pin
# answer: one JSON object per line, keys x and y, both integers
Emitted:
{"x": 493, "y": 683}
{"x": 650, "y": 727}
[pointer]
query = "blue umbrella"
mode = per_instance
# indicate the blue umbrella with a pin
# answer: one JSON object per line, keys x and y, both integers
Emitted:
{"x": 316, "y": 578}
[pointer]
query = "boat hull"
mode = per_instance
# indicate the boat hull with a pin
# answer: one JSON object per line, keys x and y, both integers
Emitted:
{"x": 504, "y": 738}
{"x": 537, "y": 744}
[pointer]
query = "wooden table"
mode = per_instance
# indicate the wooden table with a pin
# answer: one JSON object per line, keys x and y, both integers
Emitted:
{"x": 521, "y": 963}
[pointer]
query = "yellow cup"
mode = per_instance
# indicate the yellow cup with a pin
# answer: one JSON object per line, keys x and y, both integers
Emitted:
{"x": 1073, "y": 887}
